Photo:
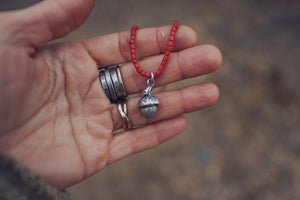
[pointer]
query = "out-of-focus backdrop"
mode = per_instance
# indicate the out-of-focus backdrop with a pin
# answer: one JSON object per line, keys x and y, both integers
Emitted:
{"x": 247, "y": 146}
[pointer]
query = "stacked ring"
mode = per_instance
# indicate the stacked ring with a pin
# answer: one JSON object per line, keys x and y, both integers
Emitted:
{"x": 114, "y": 88}
{"x": 122, "y": 107}
{"x": 124, "y": 91}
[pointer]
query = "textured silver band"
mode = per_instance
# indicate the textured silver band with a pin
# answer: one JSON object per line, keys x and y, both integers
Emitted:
{"x": 110, "y": 85}
{"x": 115, "y": 81}
{"x": 104, "y": 83}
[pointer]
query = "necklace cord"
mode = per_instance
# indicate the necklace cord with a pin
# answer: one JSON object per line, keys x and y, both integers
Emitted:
{"x": 166, "y": 55}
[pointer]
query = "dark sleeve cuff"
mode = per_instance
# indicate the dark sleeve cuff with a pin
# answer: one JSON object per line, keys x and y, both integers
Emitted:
{"x": 18, "y": 183}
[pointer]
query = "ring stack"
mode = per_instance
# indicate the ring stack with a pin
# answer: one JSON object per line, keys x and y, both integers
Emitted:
{"x": 114, "y": 88}
{"x": 112, "y": 83}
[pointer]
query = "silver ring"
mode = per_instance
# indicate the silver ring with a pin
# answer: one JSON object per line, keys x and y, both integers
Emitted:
{"x": 123, "y": 88}
{"x": 110, "y": 85}
{"x": 122, "y": 107}
{"x": 104, "y": 83}
{"x": 115, "y": 81}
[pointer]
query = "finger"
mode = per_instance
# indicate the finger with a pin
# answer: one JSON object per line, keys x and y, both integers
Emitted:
{"x": 114, "y": 48}
{"x": 127, "y": 143}
{"x": 172, "y": 103}
{"x": 45, "y": 21}
{"x": 184, "y": 64}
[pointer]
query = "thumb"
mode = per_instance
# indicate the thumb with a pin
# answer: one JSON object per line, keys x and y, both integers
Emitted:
{"x": 44, "y": 21}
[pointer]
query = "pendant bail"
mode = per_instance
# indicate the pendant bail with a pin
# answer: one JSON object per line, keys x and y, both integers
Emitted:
{"x": 151, "y": 81}
{"x": 150, "y": 85}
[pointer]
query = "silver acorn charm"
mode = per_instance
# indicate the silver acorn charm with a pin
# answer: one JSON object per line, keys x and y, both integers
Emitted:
{"x": 149, "y": 104}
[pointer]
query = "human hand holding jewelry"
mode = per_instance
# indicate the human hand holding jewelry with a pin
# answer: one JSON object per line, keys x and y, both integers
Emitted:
{"x": 55, "y": 117}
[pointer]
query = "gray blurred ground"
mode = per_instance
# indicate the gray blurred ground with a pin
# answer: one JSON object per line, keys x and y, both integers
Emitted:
{"x": 247, "y": 146}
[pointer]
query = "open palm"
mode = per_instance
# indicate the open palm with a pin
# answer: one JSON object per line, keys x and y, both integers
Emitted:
{"x": 54, "y": 115}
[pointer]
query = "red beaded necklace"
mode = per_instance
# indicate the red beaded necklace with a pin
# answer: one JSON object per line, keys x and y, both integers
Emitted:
{"x": 167, "y": 54}
{"x": 149, "y": 104}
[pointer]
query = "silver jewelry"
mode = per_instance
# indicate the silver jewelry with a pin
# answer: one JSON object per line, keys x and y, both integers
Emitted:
{"x": 114, "y": 88}
{"x": 116, "y": 84}
{"x": 104, "y": 83}
{"x": 123, "y": 88}
{"x": 149, "y": 104}
{"x": 112, "y": 83}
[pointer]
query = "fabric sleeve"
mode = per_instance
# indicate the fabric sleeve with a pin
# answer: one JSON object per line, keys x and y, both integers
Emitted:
{"x": 18, "y": 183}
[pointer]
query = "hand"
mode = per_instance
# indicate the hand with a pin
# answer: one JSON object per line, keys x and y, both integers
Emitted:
{"x": 54, "y": 115}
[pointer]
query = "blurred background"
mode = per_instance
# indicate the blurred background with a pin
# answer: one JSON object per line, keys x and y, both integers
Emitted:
{"x": 247, "y": 146}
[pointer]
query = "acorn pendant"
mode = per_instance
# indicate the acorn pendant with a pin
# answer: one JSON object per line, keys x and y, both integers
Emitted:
{"x": 148, "y": 105}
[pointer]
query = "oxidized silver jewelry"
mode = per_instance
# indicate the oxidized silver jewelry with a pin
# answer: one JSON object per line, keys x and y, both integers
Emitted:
{"x": 148, "y": 105}
{"x": 112, "y": 83}
{"x": 116, "y": 84}
{"x": 104, "y": 84}
{"x": 114, "y": 88}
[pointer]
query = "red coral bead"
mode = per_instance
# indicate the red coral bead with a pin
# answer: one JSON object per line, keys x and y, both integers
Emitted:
{"x": 137, "y": 65}
{"x": 132, "y": 46}
{"x": 172, "y": 38}
{"x": 161, "y": 68}
{"x": 158, "y": 73}
{"x": 139, "y": 70}
{"x": 176, "y": 22}
{"x": 164, "y": 63}
{"x": 135, "y": 27}
{"x": 166, "y": 58}
{"x": 148, "y": 75}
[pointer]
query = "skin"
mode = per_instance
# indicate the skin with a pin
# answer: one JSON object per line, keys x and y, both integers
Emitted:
{"x": 54, "y": 115}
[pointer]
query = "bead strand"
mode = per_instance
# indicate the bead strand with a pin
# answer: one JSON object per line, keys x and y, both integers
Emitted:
{"x": 165, "y": 58}
{"x": 169, "y": 49}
